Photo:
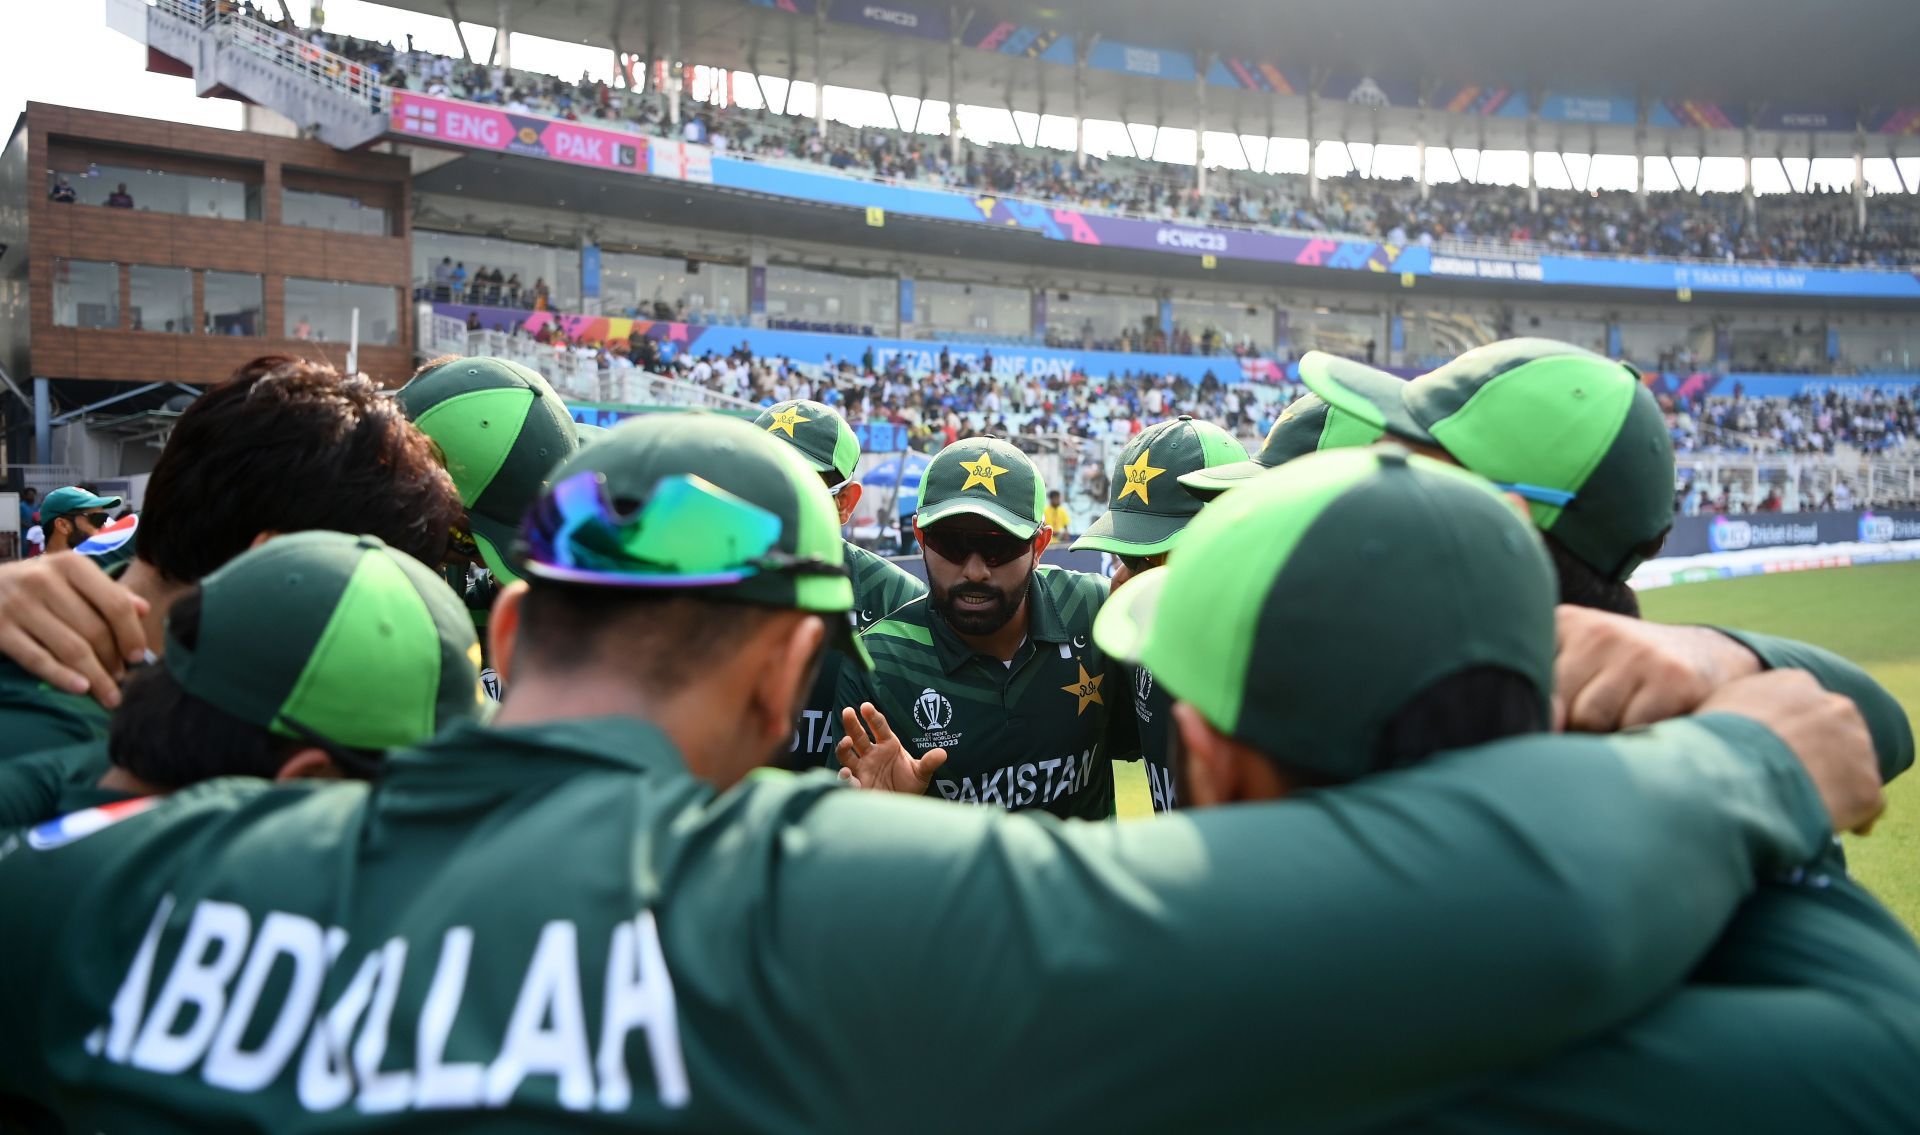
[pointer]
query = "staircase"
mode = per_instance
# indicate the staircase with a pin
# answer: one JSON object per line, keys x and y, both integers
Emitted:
{"x": 334, "y": 99}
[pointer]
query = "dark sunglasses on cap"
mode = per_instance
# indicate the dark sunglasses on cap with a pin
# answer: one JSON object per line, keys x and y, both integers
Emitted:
{"x": 959, "y": 545}
{"x": 97, "y": 519}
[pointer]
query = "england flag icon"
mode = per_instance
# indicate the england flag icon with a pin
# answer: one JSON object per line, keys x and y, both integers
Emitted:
{"x": 417, "y": 119}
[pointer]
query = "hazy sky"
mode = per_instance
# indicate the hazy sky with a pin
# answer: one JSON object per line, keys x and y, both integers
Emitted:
{"x": 114, "y": 78}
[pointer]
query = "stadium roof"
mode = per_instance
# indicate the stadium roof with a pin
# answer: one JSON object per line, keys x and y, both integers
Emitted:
{"x": 1835, "y": 52}
{"x": 1846, "y": 53}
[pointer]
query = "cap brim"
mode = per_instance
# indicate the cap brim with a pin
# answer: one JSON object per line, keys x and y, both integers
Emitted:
{"x": 1373, "y": 396}
{"x": 1121, "y": 629}
{"x": 1211, "y": 482}
{"x": 1127, "y": 533}
{"x": 489, "y": 536}
{"x": 930, "y": 515}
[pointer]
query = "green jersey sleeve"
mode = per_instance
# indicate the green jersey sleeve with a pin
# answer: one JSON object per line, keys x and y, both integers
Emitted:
{"x": 1886, "y": 720}
{"x": 35, "y": 717}
{"x": 1806, "y": 1017}
{"x": 1380, "y": 945}
{"x": 46, "y": 784}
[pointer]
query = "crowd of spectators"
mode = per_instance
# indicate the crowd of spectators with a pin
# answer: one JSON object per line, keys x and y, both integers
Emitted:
{"x": 1872, "y": 422}
{"x": 1803, "y": 228}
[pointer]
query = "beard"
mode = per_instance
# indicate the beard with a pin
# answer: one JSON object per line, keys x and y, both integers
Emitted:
{"x": 977, "y": 609}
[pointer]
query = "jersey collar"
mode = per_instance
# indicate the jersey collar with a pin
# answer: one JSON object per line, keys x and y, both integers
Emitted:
{"x": 548, "y": 751}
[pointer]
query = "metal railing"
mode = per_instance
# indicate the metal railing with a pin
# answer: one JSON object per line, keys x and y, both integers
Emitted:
{"x": 229, "y": 24}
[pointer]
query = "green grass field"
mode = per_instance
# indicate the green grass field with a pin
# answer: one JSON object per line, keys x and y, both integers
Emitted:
{"x": 1869, "y": 614}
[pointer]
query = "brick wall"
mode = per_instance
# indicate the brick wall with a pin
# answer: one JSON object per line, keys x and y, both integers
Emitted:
{"x": 267, "y": 248}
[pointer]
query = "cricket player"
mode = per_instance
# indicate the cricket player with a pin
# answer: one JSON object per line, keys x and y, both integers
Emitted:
{"x": 1573, "y": 433}
{"x": 590, "y": 914}
{"x": 1806, "y": 1015}
{"x": 993, "y": 676}
{"x": 880, "y": 586}
{"x": 1307, "y": 425}
{"x": 501, "y": 428}
{"x": 285, "y": 445}
{"x": 72, "y": 514}
{"x": 1148, "y": 512}
{"x": 370, "y": 650}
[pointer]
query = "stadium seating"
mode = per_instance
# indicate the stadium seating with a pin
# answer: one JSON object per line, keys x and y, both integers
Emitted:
{"x": 1810, "y": 228}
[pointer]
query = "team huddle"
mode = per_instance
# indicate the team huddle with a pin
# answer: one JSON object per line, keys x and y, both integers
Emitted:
{"x": 435, "y": 764}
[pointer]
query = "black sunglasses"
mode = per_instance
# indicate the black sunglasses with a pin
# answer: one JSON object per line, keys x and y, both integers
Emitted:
{"x": 97, "y": 519}
{"x": 958, "y": 546}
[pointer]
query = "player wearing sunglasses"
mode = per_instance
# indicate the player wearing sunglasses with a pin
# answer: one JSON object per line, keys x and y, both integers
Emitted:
{"x": 72, "y": 514}
{"x": 822, "y": 436}
{"x": 992, "y": 677}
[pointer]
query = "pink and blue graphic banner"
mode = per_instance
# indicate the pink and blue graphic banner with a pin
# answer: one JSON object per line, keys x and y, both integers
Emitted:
{"x": 480, "y": 127}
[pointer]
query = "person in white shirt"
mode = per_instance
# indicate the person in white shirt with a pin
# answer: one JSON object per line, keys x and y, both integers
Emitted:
{"x": 702, "y": 372}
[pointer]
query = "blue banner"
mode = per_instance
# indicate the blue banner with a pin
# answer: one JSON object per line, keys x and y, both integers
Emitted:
{"x": 1578, "y": 108}
{"x": 1669, "y": 277}
{"x": 1152, "y": 62}
{"x": 590, "y": 270}
{"x": 924, "y": 20}
{"x": 1791, "y": 117}
{"x": 906, "y": 299}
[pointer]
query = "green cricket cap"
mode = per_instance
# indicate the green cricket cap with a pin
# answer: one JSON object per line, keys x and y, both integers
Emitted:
{"x": 1148, "y": 506}
{"x": 69, "y": 500}
{"x": 1307, "y": 425}
{"x": 328, "y": 637}
{"x": 502, "y": 429}
{"x": 1575, "y": 433}
{"x": 1302, "y": 611}
{"x": 818, "y": 431}
{"x": 986, "y": 477}
{"x": 732, "y": 463}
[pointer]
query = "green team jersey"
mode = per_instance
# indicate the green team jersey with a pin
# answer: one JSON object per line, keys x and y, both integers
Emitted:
{"x": 1805, "y": 1017}
{"x": 35, "y": 716}
{"x": 53, "y": 782}
{"x": 880, "y": 587}
{"x": 1030, "y": 734}
{"x": 1886, "y": 720}
{"x": 1153, "y": 716}
{"x": 557, "y": 927}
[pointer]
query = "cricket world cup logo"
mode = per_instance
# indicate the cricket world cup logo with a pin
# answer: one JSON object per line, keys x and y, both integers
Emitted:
{"x": 932, "y": 711}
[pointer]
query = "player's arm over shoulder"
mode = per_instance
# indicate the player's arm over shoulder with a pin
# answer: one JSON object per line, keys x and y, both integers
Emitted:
{"x": 1886, "y": 718}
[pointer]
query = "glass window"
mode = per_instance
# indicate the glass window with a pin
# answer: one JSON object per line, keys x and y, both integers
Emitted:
{"x": 647, "y": 286}
{"x": 86, "y": 293}
{"x": 992, "y": 309}
{"x": 233, "y": 303}
{"x": 157, "y": 191}
{"x": 323, "y": 310}
{"x": 806, "y": 299}
{"x": 447, "y": 268}
{"x": 335, "y": 211}
{"x": 1231, "y": 324}
{"x": 1093, "y": 321}
{"x": 160, "y": 299}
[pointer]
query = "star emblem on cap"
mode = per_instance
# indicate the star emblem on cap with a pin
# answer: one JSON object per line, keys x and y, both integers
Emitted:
{"x": 982, "y": 472}
{"x": 1087, "y": 689}
{"x": 787, "y": 419}
{"x": 1138, "y": 474}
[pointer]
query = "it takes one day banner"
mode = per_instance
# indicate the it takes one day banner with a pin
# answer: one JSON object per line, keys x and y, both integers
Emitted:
{"x": 535, "y": 136}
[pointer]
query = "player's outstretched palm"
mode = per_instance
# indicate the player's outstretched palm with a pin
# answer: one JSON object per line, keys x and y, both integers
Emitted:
{"x": 873, "y": 757}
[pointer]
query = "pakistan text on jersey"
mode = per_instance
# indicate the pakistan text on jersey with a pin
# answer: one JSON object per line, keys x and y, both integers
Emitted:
{"x": 1017, "y": 786}
{"x": 209, "y": 999}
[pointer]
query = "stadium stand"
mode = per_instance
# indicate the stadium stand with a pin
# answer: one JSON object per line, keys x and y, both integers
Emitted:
{"x": 1795, "y": 228}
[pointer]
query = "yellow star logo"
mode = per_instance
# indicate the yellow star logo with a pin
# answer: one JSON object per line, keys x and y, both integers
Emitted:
{"x": 1138, "y": 474}
{"x": 787, "y": 419}
{"x": 982, "y": 472}
{"x": 1087, "y": 689}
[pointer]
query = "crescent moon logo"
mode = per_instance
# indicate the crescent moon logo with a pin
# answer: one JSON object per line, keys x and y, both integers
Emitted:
{"x": 1079, "y": 642}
